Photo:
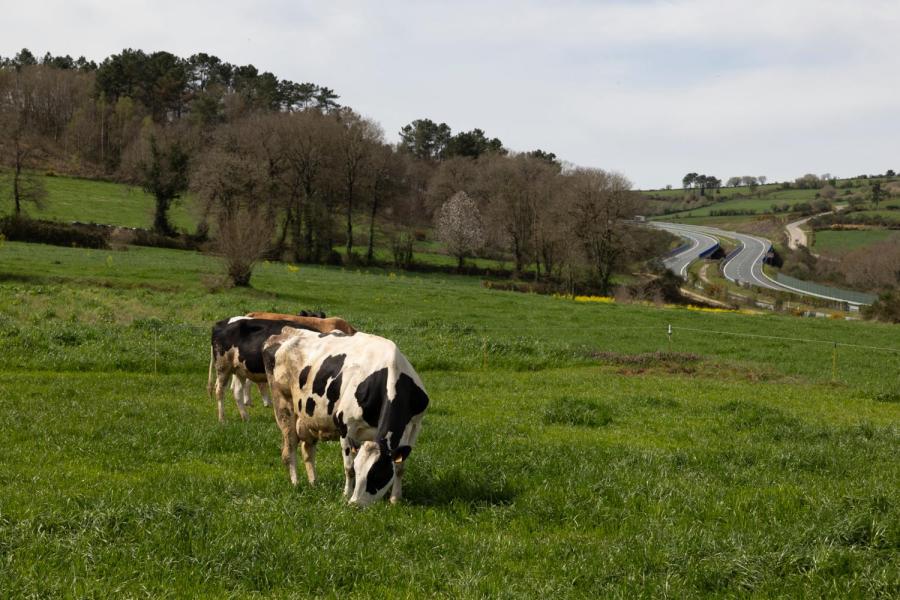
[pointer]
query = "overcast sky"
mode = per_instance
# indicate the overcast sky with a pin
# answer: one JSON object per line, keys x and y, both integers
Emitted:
{"x": 653, "y": 89}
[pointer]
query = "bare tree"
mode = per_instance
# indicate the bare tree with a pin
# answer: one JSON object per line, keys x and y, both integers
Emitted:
{"x": 457, "y": 174}
{"x": 308, "y": 140}
{"x": 244, "y": 235}
{"x": 512, "y": 186}
{"x": 600, "y": 204}
{"x": 233, "y": 179}
{"x": 459, "y": 226}
{"x": 18, "y": 139}
{"x": 360, "y": 137}
{"x": 386, "y": 182}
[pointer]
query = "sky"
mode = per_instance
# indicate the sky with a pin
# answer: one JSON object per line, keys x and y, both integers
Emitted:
{"x": 651, "y": 89}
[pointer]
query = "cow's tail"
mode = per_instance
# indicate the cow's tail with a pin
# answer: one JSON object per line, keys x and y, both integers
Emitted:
{"x": 209, "y": 380}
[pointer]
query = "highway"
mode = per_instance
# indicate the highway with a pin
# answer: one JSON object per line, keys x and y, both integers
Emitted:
{"x": 744, "y": 267}
{"x": 700, "y": 243}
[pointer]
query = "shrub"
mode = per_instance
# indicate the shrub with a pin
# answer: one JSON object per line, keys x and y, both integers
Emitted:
{"x": 22, "y": 229}
{"x": 886, "y": 308}
{"x": 402, "y": 248}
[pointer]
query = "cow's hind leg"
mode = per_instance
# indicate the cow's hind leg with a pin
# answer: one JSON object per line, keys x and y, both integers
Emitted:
{"x": 309, "y": 460}
{"x": 349, "y": 473}
{"x": 286, "y": 421}
{"x": 221, "y": 382}
{"x": 240, "y": 388}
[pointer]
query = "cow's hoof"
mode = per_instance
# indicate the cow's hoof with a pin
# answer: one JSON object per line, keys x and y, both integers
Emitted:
{"x": 395, "y": 500}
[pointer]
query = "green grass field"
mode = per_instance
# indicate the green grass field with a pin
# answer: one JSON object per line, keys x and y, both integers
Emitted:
{"x": 91, "y": 201}
{"x": 844, "y": 241}
{"x": 890, "y": 215}
{"x": 561, "y": 455}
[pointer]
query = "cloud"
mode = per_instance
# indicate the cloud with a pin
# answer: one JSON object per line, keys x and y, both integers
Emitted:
{"x": 652, "y": 88}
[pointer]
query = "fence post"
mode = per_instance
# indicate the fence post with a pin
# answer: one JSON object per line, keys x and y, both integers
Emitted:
{"x": 834, "y": 363}
{"x": 669, "y": 334}
{"x": 484, "y": 352}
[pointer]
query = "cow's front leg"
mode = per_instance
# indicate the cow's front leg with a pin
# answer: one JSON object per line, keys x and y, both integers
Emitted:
{"x": 289, "y": 452}
{"x": 285, "y": 420}
{"x": 397, "y": 490}
{"x": 309, "y": 460}
{"x": 349, "y": 473}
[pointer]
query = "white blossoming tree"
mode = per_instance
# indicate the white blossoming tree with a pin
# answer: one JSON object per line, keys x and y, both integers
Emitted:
{"x": 459, "y": 226}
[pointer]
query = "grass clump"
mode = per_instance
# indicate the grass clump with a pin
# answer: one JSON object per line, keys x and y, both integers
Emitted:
{"x": 578, "y": 412}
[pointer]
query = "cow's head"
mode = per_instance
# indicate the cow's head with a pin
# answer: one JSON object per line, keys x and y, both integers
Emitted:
{"x": 375, "y": 465}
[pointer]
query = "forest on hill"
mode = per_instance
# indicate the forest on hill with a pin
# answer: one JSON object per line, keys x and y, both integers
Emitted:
{"x": 282, "y": 169}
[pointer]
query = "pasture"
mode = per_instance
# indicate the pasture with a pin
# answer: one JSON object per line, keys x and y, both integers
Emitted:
{"x": 840, "y": 241}
{"x": 571, "y": 448}
{"x": 92, "y": 201}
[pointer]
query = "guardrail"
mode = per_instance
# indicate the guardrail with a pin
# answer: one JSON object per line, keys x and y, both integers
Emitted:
{"x": 825, "y": 291}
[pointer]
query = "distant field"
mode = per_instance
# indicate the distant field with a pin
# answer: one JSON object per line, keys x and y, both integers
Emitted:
{"x": 760, "y": 200}
{"x": 890, "y": 215}
{"x": 724, "y": 192}
{"x": 89, "y": 201}
{"x": 845, "y": 241}
{"x": 759, "y": 205}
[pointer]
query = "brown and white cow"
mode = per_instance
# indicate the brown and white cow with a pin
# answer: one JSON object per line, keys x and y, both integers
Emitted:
{"x": 358, "y": 388}
{"x": 236, "y": 350}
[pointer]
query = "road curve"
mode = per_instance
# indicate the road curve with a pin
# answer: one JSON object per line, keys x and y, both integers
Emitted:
{"x": 746, "y": 265}
{"x": 700, "y": 243}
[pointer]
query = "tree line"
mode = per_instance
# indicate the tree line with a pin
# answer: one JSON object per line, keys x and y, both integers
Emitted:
{"x": 282, "y": 169}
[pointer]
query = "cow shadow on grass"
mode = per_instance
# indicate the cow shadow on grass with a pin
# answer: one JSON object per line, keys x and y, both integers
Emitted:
{"x": 457, "y": 488}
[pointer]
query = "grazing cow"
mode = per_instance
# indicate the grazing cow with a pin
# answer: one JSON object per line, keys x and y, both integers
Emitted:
{"x": 312, "y": 320}
{"x": 236, "y": 349}
{"x": 321, "y": 324}
{"x": 359, "y": 388}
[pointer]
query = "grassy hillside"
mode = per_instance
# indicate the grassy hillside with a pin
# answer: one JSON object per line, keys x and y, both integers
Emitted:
{"x": 760, "y": 200}
{"x": 561, "y": 455}
{"x": 845, "y": 241}
{"x": 91, "y": 201}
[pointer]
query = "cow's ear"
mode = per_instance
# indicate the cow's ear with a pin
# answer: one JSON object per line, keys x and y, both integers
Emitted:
{"x": 400, "y": 454}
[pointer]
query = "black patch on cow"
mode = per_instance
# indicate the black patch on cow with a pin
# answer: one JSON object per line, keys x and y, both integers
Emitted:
{"x": 310, "y": 406}
{"x": 381, "y": 472}
{"x": 370, "y": 395}
{"x": 339, "y": 423}
{"x": 409, "y": 401}
{"x": 303, "y": 375}
{"x": 347, "y": 450}
{"x": 329, "y": 369}
{"x": 335, "y": 333}
{"x": 334, "y": 392}
{"x": 248, "y": 336}
{"x": 269, "y": 358}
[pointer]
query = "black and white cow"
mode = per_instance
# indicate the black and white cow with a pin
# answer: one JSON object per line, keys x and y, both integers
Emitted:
{"x": 359, "y": 388}
{"x": 236, "y": 349}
